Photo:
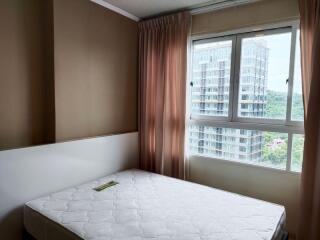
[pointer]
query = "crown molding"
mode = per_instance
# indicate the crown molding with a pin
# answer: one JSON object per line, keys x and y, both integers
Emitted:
{"x": 220, "y": 5}
{"x": 116, "y": 9}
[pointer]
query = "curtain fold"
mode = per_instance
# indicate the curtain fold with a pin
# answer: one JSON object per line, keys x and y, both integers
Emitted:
{"x": 309, "y": 218}
{"x": 162, "y": 78}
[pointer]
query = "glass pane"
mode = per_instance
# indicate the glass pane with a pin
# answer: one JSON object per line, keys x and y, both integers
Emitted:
{"x": 297, "y": 101}
{"x": 211, "y": 78}
{"x": 263, "y": 73}
{"x": 297, "y": 152}
{"x": 247, "y": 146}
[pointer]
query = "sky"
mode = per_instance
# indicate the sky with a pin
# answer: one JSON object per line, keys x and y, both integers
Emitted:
{"x": 279, "y": 61}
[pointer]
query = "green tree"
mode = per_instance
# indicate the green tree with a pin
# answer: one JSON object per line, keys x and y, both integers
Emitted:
{"x": 274, "y": 154}
{"x": 297, "y": 152}
{"x": 275, "y": 104}
{"x": 276, "y": 107}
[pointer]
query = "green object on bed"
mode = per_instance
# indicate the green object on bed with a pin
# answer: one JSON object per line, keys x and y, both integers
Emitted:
{"x": 106, "y": 185}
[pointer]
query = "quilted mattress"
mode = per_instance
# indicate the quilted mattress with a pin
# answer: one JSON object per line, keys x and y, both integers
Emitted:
{"x": 147, "y": 206}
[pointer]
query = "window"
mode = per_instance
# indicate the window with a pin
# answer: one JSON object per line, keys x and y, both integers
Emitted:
{"x": 261, "y": 58}
{"x": 246, "y": 99}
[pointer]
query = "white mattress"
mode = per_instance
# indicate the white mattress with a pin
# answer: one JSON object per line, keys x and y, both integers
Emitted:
{"x": 147, "y": 206}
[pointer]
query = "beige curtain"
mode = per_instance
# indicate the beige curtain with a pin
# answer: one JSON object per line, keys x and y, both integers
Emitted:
{"x": 309, "y": 221}
{"x": 162, "y": 75}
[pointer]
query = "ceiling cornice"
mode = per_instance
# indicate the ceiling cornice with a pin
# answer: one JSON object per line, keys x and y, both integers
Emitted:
{"x": 218, "y": 5}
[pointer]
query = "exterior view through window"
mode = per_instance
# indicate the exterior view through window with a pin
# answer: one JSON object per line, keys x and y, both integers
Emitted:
{"x": 246, "y": 99}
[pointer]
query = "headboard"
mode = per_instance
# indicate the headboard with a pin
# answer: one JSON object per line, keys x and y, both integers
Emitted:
{"x": 29, "y": 173}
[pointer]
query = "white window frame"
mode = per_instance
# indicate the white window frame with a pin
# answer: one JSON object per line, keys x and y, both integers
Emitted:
{"x": 287, "y": 125}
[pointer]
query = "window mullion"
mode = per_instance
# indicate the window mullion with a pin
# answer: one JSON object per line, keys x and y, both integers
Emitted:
{"x": 236, "y": 78}
{"x": 232, "y": 77}
{"x": 248, "y": 126}
{"x": 291, "y": 74}
{"x": 289, "y": 152}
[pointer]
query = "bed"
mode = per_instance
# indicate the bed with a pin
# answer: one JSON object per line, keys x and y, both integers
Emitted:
{"x": 148, "y": 206}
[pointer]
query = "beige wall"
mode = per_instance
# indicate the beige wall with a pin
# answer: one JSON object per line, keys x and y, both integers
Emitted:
{"x": 259, "y": 13}
{"x": 266, "y": 184}
{"x": 75, "y": 80}
{"x": 23, "y": 86}
{"x": 95, "y": 70}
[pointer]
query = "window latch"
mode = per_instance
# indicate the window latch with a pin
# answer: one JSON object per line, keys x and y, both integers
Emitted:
{"x": 287, "y": 81}
{"x": 191, "y": 84}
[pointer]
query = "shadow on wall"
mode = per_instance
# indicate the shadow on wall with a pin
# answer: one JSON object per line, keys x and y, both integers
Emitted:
{"x": 257, "y": 182}
{"x": 26, "y": 86}
{"x": 8, "y": 223}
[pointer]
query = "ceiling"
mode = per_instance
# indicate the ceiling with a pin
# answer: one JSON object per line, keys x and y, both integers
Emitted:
{"x": 147, "y": 8}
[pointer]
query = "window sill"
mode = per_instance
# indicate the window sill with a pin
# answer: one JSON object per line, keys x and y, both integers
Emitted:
{"x": 236, "y": 163}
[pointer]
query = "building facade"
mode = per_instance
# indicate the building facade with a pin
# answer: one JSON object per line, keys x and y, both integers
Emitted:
{"x": 211, "y": 75}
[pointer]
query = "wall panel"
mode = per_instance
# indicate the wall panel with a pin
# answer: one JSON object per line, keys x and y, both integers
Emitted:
{"x": 95, "y": 70}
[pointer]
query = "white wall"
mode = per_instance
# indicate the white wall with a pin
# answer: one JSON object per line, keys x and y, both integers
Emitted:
{"x": 267, "y": 184}
{"x": 29, "y": 173}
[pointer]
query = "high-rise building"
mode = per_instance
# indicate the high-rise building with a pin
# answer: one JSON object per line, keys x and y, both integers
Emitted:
{"x": 210, "y": 96}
